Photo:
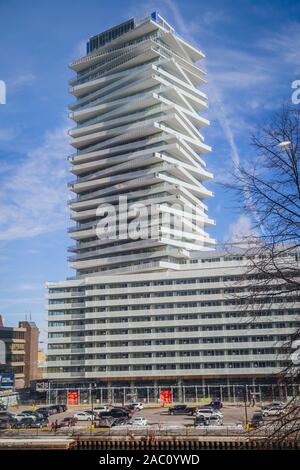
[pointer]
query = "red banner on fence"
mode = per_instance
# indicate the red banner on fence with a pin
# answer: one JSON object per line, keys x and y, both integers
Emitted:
{"x": 166, "y": 397}
{"x": 73, "y": 398}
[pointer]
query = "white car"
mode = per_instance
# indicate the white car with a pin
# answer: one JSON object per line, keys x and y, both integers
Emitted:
{"x": 274, "y": 411}
{"x": 83, "y": 416}
{"x": 139, "y": 421}
{"x": 19, "y": 417}
{"x": 208, "y": 412}
{"x": 101, "y": 409}
{"x": 136, "y": 405}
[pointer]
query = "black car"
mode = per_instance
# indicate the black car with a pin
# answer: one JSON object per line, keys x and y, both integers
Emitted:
{"x": 53, "y": 409}
{"x": 40, "y": 423}
{"x": 24, "y": 423}
{"x": 257, "y": 420}
{"x": 61, "y": 408}
{"x": 44, "y": 411}
{"x": 178, "y": 410}
{"x": 6, "y": 424}
{"x": 216, "y": 404}
{"x": 6, "y": 415}
{"x": 3, "y": 407}
{"x": 116, "y": 413}
{"x": 6, "y": 421}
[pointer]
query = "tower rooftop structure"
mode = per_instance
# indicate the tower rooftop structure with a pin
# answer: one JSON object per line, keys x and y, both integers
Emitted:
{"x": 139, "y": 169}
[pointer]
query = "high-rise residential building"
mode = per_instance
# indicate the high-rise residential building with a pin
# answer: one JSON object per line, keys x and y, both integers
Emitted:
{"x": 151, "y": 301}
{"x": 19, "y": 352}
{"x": 138, "y": 141}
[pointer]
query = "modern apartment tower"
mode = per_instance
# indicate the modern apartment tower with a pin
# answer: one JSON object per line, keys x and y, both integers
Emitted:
{"x": 151, "y": 301}
{"x": 139, "y": 151}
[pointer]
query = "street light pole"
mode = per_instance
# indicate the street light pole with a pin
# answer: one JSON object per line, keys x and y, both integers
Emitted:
{"x": 92, "y": 402}
{"x": 245, "y": 404}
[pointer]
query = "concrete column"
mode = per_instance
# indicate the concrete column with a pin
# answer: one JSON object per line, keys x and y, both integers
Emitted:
{"x": 180, "y": 391}
{"x": 109, "y": 393}
{"x": 156, "y": 391}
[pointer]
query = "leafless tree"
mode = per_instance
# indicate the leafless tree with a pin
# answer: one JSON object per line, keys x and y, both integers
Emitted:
{"x": 268, "y": 190}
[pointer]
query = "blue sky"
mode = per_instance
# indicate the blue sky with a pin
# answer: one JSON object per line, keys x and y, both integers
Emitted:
{"x": 252, "y": 56}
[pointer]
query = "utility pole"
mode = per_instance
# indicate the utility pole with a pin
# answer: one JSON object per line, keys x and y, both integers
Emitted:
{"x": 245, "y": 403}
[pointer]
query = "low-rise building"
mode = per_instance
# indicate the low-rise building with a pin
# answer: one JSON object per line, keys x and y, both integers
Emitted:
{"x": 187, "y": 325}
{"x": 20, "y": 349}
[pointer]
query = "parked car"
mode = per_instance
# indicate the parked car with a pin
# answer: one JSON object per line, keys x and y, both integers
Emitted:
{"x": 6, "y": 421}
{"x": 200, "y": 421}
{"x": 257, "y": 420}
{"x": 67, "y": 422}
{"x": 34, "y": 414}
{"x": 53, "y": 409}
{"x": 91, "y": 412}
{"x": 83, "y": 416}
{"x": 116, "y": 413}
{"x": 5, "y": 424}
{"x": 191, "y": 410}
{"x": 120, "y": 422}
{"x": 136, "y": 406}
{"x": 40, "y": 423}
{"x": 139, "y": 421}
{"x": 3, "y": 407}
{"x": 177, "y": 410}
{"x": 20, "y": 416}
{"x": 5, "y": 414}
{"x": 207, "y": 408}
{"x": 44, "y": 411}
{"x": 105, "y": 422}
{"x": 203, "y": 420}
{"x": 126, "y": 408}
{"x": 208, "y": 412}
{"x": 63, "y": 407}
{"x": 214, "y": 420}
{"x": 216, "y": 404}
{"x": 24, "y": 423}
{"x": 276, "y": 404}
{"x": 101, "y": 409}
{"x": 273, "y": 411}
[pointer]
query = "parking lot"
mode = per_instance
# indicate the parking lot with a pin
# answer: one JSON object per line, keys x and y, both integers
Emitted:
{"x": 158, "y": 416}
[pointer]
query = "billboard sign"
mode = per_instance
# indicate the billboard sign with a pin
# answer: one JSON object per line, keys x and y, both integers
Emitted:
{"x": 7, "y": 381}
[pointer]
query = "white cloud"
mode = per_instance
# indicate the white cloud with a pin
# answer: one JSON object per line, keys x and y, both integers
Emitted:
{"x": 7, "y": 135}
{"x": 33, "y": 194}
{"x": 240, "y": 229}
{"x": 284, "y": 44}
{"x": 28, "y": 286}
{"x": 215, "y": 94}
{"x": 24, "y": 79}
